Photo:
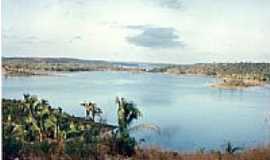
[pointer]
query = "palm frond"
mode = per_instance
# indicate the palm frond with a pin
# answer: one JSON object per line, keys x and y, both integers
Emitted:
{"x": 235, "y": 149}
{"x": 145, "y": 126}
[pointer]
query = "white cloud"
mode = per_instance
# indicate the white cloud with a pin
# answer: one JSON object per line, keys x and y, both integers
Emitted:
{"x": 211, "y": 30}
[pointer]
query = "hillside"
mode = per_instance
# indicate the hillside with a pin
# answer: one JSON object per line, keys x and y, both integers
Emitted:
{"x": 43, "y": 66}
{"x": 232, "y": 75}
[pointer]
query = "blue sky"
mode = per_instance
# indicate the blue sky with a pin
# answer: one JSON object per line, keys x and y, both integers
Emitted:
{"x": 169, "y": 31}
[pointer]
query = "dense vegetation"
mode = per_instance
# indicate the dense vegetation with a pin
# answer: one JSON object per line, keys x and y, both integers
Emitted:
{"x": 31, "y": 127}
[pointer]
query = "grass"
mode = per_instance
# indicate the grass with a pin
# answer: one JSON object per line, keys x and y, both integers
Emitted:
{"x": 159, "y": 154}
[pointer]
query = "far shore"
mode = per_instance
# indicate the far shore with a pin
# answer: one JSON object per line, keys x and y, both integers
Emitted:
{"x": 230, "y": 75}
{"x": 228, "y": 83}
{"x": 57, "y": 73}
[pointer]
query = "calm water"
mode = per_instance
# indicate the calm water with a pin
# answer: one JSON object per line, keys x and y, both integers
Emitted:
{"x": 190, "y": 114}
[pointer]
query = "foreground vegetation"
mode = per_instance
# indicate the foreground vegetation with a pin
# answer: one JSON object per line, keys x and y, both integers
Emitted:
{"x": 32, "y": 129}
{"x": 157, "y": 154}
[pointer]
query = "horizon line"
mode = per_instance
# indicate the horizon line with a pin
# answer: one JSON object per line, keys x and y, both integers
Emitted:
{"x": 134, "y": 62}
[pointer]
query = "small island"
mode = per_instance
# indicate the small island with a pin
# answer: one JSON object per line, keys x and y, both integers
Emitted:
{"x": 230, "y": 83}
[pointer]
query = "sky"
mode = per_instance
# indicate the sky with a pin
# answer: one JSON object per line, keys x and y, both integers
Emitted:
{"x": 166, "y": 31}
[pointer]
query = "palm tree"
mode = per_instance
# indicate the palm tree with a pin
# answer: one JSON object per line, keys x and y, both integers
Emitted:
{"x": 87, "y": 107}
{"x": 39, "y": 119}
{"x": 92, "y": 108}
{"x": 127, "y": 112}
{"x": 96, "y": 111}
{"x": 42, "y": 114}
{"x": 32, "y": 104}
{"x": 33, "y": 129}
{"x": 58, "y": 121}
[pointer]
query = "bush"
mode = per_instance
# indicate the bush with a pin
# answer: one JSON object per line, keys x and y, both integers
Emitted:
{"x": 11, "y": 147}
{"x": 45, "y": 146}
{"x": 126, "y": 145}
{"x": 77, "y": 148}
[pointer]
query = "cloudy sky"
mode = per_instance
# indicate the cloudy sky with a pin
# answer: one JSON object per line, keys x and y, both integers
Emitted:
{"x": 175, "y": 31}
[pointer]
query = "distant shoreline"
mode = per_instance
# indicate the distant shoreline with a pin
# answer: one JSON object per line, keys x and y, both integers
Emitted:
{"x": 233, "y": 75}
{"x": 239, "y": 84}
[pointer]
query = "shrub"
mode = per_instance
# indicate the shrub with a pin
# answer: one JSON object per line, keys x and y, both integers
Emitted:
{"x": 11, "y": 147}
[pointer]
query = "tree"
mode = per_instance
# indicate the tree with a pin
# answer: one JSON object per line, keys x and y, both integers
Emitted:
{"x": 31, "y": 104}
{"x": 92, "y": 108}
{"x": 127, "y": 112}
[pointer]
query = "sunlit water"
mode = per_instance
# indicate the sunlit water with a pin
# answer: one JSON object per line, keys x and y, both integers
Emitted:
{"x": 190, "y": 114}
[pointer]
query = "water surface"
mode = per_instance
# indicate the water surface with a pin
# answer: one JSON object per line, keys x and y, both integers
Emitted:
{"x": 191, "y": 115}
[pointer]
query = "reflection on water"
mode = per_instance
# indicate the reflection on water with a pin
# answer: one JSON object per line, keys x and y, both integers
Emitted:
{"x": 191, "y": 115}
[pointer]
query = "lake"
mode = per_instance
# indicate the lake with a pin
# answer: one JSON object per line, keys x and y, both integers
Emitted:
{"x": 190, "y": 114}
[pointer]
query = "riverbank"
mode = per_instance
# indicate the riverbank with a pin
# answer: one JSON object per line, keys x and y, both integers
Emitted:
{"x": 31, "y": 66}
{"x": 11, "y": 72}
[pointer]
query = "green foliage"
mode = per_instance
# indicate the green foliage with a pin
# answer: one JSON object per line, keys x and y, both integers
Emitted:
{"x": 45, "y": 146}
{"x": 126, "y": 144}
{"x": 32, "y": 125}
{"x": 91, "y": 135}
{"x": 11, "y": 147}
{"x": 127, "y": 112}
{"x": 78, "y": 148}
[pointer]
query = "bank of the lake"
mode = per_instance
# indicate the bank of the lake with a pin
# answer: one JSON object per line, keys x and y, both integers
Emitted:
{"x": 233, "y": 75}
